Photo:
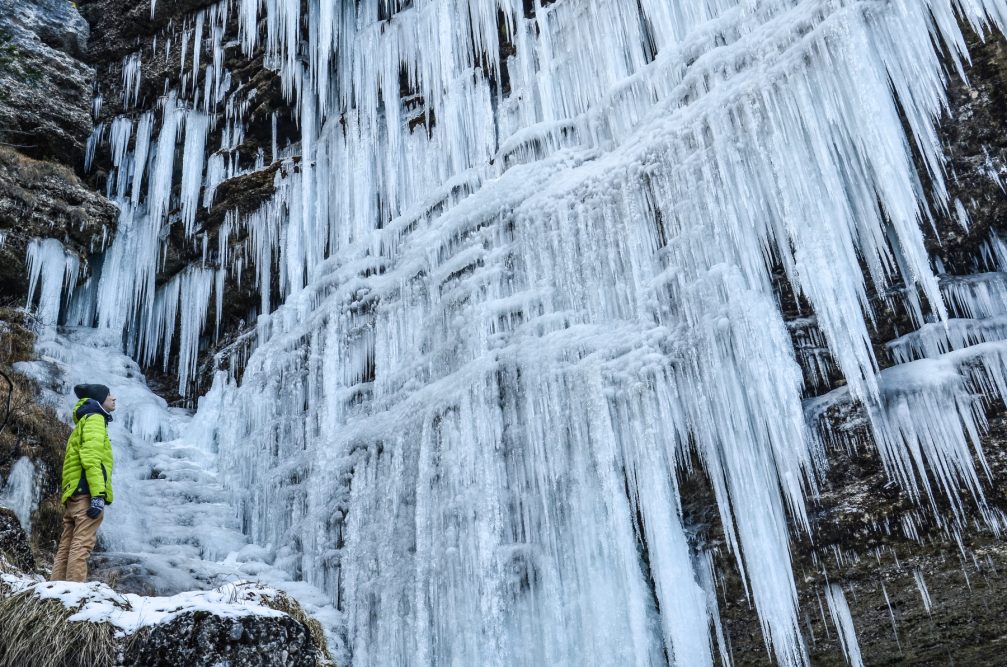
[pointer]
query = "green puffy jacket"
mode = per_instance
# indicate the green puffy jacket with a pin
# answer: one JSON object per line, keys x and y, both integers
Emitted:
{"x": 87, "y": 466}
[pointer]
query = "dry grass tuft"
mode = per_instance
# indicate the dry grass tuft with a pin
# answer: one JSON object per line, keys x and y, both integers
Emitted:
{"x": 289, "y": 606}
{"x": 36, "y": 632}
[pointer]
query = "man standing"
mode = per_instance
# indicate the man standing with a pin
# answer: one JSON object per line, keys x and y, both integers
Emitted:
{"x": 87, "y": 480}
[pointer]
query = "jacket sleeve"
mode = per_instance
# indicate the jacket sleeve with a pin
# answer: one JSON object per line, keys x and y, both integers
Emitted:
{"x": 92, "y": 441}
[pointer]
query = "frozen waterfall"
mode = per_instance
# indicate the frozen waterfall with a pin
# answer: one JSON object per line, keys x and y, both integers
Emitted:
{"x": 516, "y": 274}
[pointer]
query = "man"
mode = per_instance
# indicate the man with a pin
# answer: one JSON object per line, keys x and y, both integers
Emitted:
{"x": 87, "y": 480}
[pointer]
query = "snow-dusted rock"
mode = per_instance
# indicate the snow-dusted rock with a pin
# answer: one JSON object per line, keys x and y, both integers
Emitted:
{"x": 240, "y": 624}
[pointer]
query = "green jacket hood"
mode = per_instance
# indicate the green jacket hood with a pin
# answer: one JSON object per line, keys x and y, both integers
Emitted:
{"x": 89, "y": 406}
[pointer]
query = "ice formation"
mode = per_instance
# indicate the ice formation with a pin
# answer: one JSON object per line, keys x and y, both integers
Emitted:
{"x": 843, "y": 620}
{"x": 516, "y": 273}
{"x": 20, "y": 492}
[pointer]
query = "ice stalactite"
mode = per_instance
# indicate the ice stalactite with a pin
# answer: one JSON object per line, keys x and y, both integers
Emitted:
{"x": 843, "y": 620}
{"x": 523, "y": 257}
{"x": 20, "y": 492}
{"x": 52, "y": 273}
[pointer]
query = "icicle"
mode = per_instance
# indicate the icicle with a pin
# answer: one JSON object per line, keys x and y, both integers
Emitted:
{"x": 891, "y": 616}
{"x": 922, "y": 586}
{"x": 119, "y": 134}
{"x": 51, "y": 272}
{"x": 92, "y": 145}
{"x": 131, "y": 75}
{"x": 843, "y": 620}
{"x": 196, "y": 128}
{"x": 159, "y": 189}
{"x": 197, "y": 47}
{"x": 19, "y": 491}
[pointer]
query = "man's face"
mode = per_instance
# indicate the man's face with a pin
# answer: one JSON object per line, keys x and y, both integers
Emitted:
{"x": 109, "y": 404}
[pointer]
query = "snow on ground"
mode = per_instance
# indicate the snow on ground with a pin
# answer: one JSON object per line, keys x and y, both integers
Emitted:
{"x": 97, "y": 603}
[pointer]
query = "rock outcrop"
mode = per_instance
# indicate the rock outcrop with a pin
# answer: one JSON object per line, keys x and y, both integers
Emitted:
{"x": 201, "y": 639}
{"x": 45, "y": 121}
{"x": 241, "y": 625}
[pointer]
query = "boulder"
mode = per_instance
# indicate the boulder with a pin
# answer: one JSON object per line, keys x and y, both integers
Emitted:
{"x": 200, "y": 639}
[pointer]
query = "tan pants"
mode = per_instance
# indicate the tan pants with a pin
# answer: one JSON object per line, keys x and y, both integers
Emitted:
{"x": 79, "y": 535}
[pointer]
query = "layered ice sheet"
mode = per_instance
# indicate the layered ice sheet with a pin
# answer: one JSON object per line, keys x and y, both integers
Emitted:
{"x": 523, "y": 258}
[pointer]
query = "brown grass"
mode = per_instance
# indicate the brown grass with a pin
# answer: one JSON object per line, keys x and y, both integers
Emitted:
{"x": 35, "y": 631}
{"x": 31, "y": 171}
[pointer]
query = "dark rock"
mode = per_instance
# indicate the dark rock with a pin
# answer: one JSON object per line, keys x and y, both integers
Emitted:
{"x": 14, "y": 546}
{"x": 45, "y": 92}
{"x": 56, "y": 22}
{"x": 199, "y": 639}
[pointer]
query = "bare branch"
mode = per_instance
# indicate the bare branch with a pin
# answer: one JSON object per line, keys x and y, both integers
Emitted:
{"x": 10, "y": 395}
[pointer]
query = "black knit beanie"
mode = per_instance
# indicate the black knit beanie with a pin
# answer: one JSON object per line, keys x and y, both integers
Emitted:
{"x": 98, "y": 392}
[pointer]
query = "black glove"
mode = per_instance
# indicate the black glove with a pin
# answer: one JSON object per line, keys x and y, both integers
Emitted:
{"x": 97, "y": 505}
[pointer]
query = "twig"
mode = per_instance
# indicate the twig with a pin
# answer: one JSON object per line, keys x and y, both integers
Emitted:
{"x": 10, "y": 395}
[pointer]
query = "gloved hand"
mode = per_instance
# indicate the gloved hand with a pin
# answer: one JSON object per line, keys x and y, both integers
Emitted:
{"x": 97, "y": 505}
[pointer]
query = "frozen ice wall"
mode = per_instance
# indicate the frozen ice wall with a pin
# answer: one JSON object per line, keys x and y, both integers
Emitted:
{"x": 522, "y": 251}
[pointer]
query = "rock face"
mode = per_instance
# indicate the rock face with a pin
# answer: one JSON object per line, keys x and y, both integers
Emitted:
{"x": 200, "y": 639}
{"x": 46, "y": 100}
{"x": 45, "y": 120}
{"x": 43, "y": 199}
